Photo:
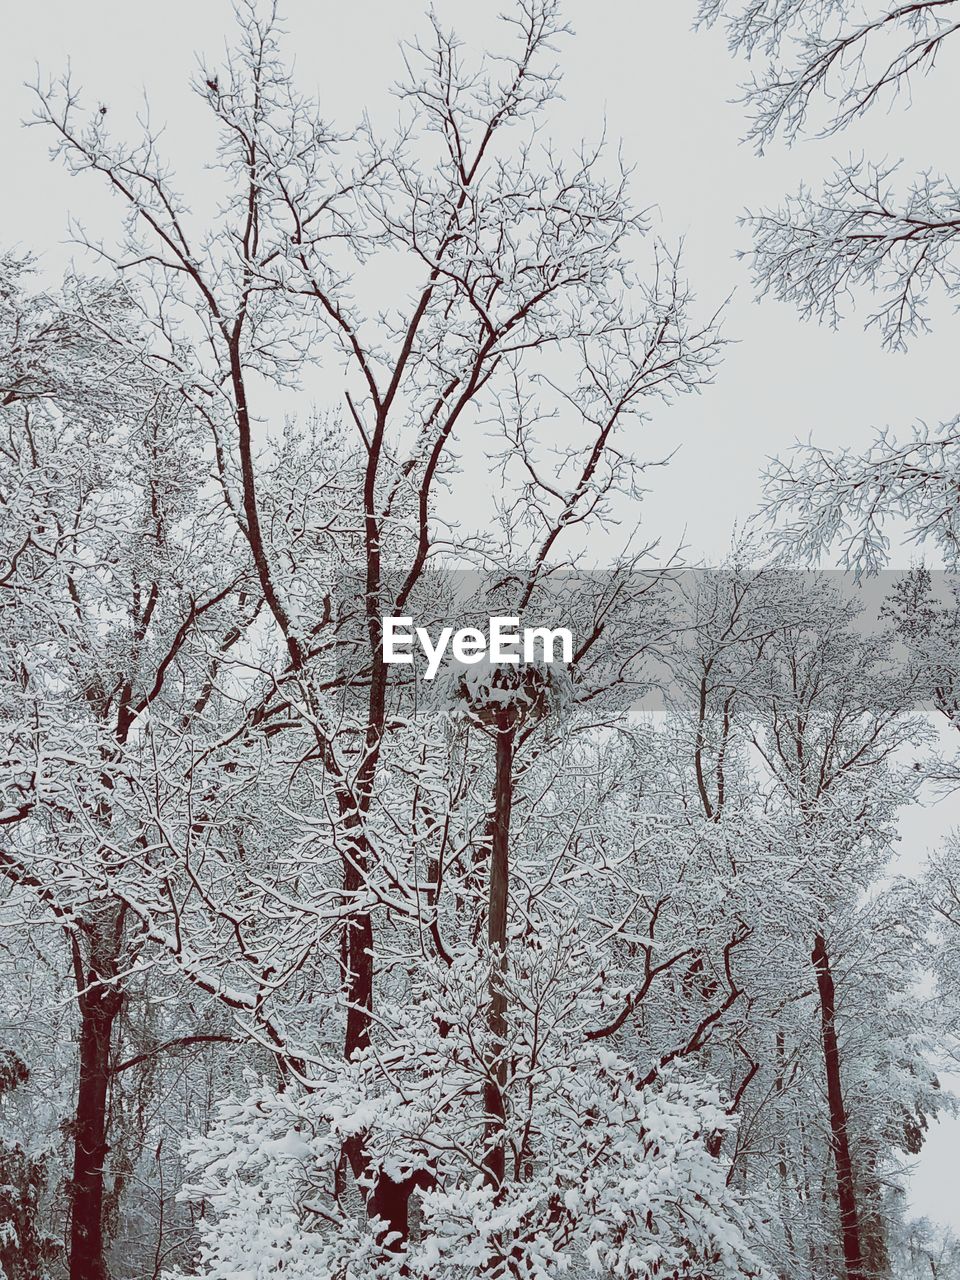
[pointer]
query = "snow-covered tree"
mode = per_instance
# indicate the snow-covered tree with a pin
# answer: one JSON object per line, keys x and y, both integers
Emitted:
{"x": 870, "y": 233}
{"x": 488, "y": 974}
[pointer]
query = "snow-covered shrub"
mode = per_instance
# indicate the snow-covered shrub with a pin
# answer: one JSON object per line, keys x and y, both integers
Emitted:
{"x": 606, "y": 1176}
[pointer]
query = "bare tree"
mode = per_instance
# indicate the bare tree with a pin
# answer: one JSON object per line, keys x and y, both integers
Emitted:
{"x": 519, "y": 254}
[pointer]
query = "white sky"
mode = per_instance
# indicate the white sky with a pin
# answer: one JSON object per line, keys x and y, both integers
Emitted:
{"x": 666, "y": 92}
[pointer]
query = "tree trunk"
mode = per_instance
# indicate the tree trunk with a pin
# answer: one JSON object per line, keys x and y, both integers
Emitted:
{"x": 99, "y": 1006}
{"x": 498, "y": 891}
{"x": 357, "y": 959}
{"x": 839, "y": 1140}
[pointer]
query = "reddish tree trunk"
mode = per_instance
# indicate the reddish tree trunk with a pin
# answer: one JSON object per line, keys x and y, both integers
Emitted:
{"x": 839, "y": 1140}
{"x": 99, "y": 1006}
{"x": 498, "y": 891}
{"x": 357, "y": 962}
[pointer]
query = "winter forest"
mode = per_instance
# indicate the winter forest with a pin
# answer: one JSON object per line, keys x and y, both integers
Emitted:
{"x": 316, "y": 968}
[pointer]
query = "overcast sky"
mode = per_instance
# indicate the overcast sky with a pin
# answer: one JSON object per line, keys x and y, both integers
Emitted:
{"x": 667, "y": 93}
